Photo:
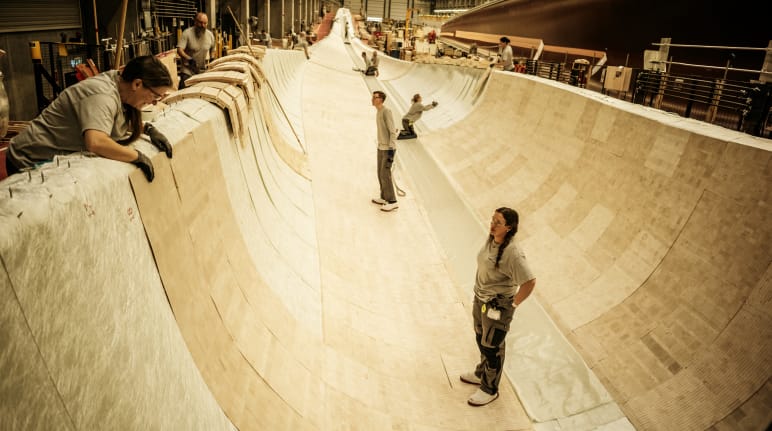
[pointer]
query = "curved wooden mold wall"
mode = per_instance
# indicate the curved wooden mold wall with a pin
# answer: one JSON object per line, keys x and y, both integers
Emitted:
{"x": 652, "y": 242}
{"x": 89, "y": 341}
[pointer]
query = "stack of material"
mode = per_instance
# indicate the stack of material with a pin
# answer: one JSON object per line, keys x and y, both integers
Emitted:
{"x": 14, "y": 128}
{"x": 475, "y": 62}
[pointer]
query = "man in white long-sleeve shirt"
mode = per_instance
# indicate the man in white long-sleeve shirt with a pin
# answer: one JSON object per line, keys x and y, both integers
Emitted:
{"x": 505, "y": 51}
{"x": 387, "y": 149}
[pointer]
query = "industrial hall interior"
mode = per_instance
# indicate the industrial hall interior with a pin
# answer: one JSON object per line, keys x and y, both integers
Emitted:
{"x": 385, "y": 215}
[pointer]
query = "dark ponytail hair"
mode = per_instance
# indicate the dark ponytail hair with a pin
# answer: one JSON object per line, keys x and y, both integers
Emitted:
{"x": 511, "y": 219}
{"x": 153, "y": 74}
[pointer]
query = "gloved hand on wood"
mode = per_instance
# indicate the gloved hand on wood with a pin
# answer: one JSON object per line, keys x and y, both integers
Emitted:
{"x": 158, "y": 139}
{"x": 146, "y": 165}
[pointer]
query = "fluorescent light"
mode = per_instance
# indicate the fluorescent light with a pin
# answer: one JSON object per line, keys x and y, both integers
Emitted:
{"x": 450, "y": 10}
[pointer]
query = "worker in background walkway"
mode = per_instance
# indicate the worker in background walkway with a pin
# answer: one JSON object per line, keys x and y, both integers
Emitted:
{"x": 372, "y": 67}
{"x": 265, "y": 39}
{"x": 303, "y": 44}
{"x": 505, "y": 54}
{"x": 194, "y": 48}
{"x": 369, "y": 69}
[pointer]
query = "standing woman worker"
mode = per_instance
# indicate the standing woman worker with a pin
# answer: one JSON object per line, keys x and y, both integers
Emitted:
{"x": 503, "y": 282}
{"x": 100, "y": 115}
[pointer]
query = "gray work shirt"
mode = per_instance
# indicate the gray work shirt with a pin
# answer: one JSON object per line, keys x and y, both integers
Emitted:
{"x": 196, "y": 47}
{"x": 93, "y": 104}
{"x": 513, "y": 271}
{"x": 415, "y": 111}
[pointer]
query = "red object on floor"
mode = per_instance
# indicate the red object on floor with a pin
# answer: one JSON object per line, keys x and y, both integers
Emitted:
{"x": 3, "y": 173}
{"x": 324, "y": 28}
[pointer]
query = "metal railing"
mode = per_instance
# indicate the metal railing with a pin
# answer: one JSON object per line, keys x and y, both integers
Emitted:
{"x": 743, "y": 105}
{"x": 736, "y": 105}
{"x": 56, "y": 69}
{"x": 740, "y": 104}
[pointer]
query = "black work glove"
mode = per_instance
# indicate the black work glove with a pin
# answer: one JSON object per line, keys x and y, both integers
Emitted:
{"x": 158, "y": 139}
{"x": 434, "y": 103}
{"x": 192, "y": 65}
{"x": 146, "y": 165}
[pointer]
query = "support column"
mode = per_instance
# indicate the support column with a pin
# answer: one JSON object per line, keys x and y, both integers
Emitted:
{"x": 267, "y": 19}
{"x": 244, "y": 18}
{"x": 212, "y": 11}
{"x": 766, "y": 77}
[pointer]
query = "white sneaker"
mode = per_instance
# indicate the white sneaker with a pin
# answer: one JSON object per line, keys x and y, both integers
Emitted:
{"x": 481, "y": 398}
{"x": 470, "y": 378}
{"x": 389, "y": 207}
{"x": 379, "y": 201}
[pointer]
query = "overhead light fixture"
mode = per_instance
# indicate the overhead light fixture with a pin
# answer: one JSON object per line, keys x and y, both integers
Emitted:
{"x": 450, "y": 10}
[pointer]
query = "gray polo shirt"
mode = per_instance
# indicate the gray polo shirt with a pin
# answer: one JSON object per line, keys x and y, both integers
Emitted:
{"x": 513, "y": 271}
{"x": 91, "y": 104}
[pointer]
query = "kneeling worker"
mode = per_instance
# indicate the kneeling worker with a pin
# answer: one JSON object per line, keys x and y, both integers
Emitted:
{"x": 413, "y": 114}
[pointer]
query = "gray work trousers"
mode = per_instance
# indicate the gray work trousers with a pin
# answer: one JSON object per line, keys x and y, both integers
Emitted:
{"x": 407, "y": 126}
{"x": 491, "y": 340}
{"x": 385, "y": 160}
